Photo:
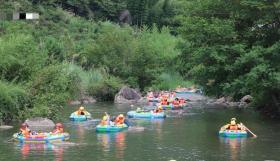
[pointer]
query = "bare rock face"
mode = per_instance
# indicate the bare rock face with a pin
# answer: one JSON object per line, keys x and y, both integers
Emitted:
{"x": 127, "y": 95}
{"x": 247, "y": 99}
{"x": 40, "y": 124}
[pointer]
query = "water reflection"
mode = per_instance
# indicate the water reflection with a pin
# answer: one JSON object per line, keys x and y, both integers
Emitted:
{"x": 40, "y": 149}
{"x": 234, "y": 145}
{"x": 115, "y": 141}
{"x": 80, "y": 132}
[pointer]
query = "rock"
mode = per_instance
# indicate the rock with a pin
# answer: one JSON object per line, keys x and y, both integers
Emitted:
{"x": 229, "y": 99}
{"x": 243, "y": 105}
{"x": 127, "y": 95}
{"x": 40, "y": 124}
{"x": 233, "y": 104}
{"x": 221, "y": 100}
{"x": 5, "y": 127}
{"x": 74, "y": 102}
{"x": 84, "y": 100}
{"x": 226, "y": 102}
{"x": 247, "y": 99}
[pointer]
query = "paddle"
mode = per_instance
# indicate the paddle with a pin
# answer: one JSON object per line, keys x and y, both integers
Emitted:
{"x": 10, "y": 140}
{"x": 254, "y": 135}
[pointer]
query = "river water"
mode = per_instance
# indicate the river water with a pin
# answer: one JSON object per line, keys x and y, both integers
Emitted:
{"x": 189, "y": 136}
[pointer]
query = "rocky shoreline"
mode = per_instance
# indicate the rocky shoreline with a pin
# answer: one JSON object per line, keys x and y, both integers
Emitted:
{"x": 228, "y": 102}
{"x": 127, "y": 95}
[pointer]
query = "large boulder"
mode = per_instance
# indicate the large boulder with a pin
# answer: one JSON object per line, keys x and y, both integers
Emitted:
{"x": 40, "y": 124}
{"x": 127, "y": 95}
{"x": 247, "y": 99}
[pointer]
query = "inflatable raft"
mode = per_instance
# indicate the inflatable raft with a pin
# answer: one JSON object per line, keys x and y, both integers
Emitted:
{"x": 185, "y": 92}
{"x": 153, "y": 99}
{"x": 42, "y": 138}
{"x": 110, "y": 128}
{"x": 149, "y": 114}
{"x": 75, "y": 117}
{"x": 172, "y": 107}
{"x": 233, "y": 133}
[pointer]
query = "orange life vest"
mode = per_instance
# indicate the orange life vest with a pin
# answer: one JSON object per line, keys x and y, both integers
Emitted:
{"x": 58, "y": 130}
{"x": 119, "y": 120}
{"x": 25, "y": 132}
{"x": 181, "y": 101}
{"x": 158, "y": 111}
{"x": 176, "y": 103}
{"x": 233, "y": 127}
{"x": 164, "y": 102}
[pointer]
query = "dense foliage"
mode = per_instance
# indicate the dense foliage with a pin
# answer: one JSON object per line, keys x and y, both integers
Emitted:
{"x": 93, "y": 47}
{"x": 232, "y": 48}
{"x": 63, "y": 57}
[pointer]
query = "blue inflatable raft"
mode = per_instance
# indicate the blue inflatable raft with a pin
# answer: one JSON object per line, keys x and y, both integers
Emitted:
{"x": 75, "y": 117}
{"x": 110, "y": 128}
{"x": 144, "y": 114}
{"x": 153, "y": 99}
{"x": 233, "y": 133}
{"x": 42, "y": 138}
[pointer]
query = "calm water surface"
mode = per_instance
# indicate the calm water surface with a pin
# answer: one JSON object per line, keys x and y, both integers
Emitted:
{"x": 191, "y": 136}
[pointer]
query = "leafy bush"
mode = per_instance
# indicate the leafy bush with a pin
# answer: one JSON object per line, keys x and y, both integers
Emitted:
{"x": 105, "y": 89}
{"x": 50, "y": 88}
{"x": 14, "y": 100}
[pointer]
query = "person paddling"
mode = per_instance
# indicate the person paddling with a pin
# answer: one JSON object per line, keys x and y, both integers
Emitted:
{"x": 24, "y": 130}
{"x": 233, "y": 125}
{"x": 58, "y": 129}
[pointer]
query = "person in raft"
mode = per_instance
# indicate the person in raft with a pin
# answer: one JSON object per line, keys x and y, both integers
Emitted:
{"x": 176, "y": 102}
{"x": 58, "y": 129}
{"x": 82, "y": 111}
{"x": 233, "y": 125}
{"x": 158, "y": 109}
{"x": 119, "y": 119}
{"x": 106, "y": 120}
{"x": 24, "y": 130}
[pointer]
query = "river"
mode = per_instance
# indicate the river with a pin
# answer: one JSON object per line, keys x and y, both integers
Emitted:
{"x": 191, "y": 136}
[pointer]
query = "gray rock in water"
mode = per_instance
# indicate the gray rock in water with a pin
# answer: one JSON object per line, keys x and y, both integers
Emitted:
{"x": 83, "y": 100}
{"x": 40, "y": 124}
{"x": 5, "y": 127}
{"x": 247, "y": 99}
{"x": 127, "y": 95}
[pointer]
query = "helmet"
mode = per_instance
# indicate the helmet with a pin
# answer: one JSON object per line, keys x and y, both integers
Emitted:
{"x": 81, "y": 108}
{"x": 59, "y": 125}
{"x": 24, "y": 125}
{"x": 160, "y": 107}
{"x": 233, "y": 119}
{"x": 121, "y": 116}
{"x": 104, "y": 118}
